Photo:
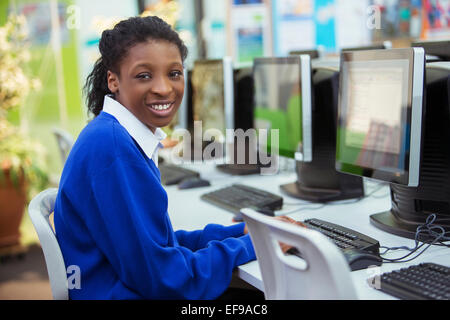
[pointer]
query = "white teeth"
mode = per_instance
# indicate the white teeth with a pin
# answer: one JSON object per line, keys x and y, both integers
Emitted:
{"x": 161, "y": 106}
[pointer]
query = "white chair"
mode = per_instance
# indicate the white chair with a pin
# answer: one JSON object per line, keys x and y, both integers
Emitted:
{"x": 65, "y": 142}
{"x": 39, "y": 210}
{"x": 321, "y": 273}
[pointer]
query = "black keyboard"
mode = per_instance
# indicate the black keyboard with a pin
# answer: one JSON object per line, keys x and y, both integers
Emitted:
{"x": 348, "y": 241}
{"x": 171, "y": 174}
{"x": 238, "y": 196}
{"x": 426, "y": 281}
{"x": 343, "y": 237}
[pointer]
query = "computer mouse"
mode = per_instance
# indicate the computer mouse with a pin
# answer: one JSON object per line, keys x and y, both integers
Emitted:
{"x": 193, "y": 182}
{"x": 359, "y": 259}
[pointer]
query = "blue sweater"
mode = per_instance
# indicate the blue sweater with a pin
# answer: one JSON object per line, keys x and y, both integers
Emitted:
{"x": 111, "y": 221}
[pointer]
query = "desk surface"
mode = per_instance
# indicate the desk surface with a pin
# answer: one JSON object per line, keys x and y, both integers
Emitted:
{"x": 188, "y": 212}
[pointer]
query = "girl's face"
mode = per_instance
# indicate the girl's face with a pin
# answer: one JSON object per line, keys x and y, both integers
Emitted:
{"x": 151, "y": 82}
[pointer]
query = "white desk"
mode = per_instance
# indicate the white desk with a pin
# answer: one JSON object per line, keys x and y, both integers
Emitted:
{"x": 187, "y": 211}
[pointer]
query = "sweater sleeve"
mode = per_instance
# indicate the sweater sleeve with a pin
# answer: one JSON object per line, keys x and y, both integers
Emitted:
{"x": 198, "y": 239}
{"x": 133, "y": 230}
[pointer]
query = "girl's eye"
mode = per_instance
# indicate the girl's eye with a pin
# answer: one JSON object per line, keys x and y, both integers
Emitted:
{"x": 144, "y": 76}
{"x": 175, "y": 74}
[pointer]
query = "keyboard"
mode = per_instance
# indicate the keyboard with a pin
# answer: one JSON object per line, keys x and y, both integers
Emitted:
{"x": 171, "y": 174}
{"x": 237, "y": 196}
{"x": 342, "y": 237}
{"x": 347, "y": 240}
{"x": 426, "y": 281}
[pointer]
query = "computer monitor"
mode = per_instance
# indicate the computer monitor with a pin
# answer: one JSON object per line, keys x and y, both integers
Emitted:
{"x": 313, "y": 53}
{"x": 380, "y": 114}
{"x": 379, "y": 46}
{"x": 243, "y": 157}
{"x": 283, "y": 102}
{"x": 381, "y": 127}
{"x": 243, "y": 98}
{"x": 180, "y": 120}
{"x": 318, "y": 180}
{"x": 438, "y": 49}
{"x": 212, "y": 102}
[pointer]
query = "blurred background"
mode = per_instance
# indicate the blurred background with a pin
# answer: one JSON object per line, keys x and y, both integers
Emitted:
{"x": 48, "y": 47}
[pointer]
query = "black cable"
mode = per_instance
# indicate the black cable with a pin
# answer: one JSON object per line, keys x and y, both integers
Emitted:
{"x": 301, "y": 209}
{"x": 429, "y": 229}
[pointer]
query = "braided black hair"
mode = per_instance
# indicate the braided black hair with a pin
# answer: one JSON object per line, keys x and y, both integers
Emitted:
{"x": 114, "y": 45}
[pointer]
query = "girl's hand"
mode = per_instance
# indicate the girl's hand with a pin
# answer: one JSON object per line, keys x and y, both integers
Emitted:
{"x": 284, "y": 247}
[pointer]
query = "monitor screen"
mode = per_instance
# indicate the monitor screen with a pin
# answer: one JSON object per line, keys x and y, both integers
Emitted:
{"x": 208, "y": 97}
{"x": 380, "y": 109}
{"x": 282, "y": 100}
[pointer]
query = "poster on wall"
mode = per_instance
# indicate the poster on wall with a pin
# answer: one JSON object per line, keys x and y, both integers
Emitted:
{"x": 325, "y": 21}
{"x": 398, "y": 19}
{"x": 303, "y": 25}
{"x": 97, "y": 16}
{"x": 436, "y": 19}
{"x": 351, "y": 23}
{"x": 214, "y": 28}
{"x": 293, "y": 23}
{"x": 40, "y": 24}
{"x": 250, "y": 30}
{"x": 328, "y": 25}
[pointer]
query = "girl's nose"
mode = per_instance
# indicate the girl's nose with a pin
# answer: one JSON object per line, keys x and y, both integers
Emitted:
{"x": 161, "y": 86}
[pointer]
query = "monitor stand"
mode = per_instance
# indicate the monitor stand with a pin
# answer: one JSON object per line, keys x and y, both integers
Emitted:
{"x": 296, "y": 190}
{"x": 410, "y": 207}
{"x": 239, "y": 169}
{"x": 246, "y": 168}
{"x": 389, "y": 222}
{"x": 317, "y": 183}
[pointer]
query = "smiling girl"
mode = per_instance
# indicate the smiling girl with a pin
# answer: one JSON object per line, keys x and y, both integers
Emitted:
{"x": 111, "y": 215}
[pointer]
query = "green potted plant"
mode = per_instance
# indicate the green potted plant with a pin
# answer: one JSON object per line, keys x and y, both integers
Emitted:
{"x": 22, "y": 160}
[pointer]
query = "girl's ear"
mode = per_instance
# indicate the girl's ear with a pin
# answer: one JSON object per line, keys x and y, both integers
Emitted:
{"x": 113, "y": 81}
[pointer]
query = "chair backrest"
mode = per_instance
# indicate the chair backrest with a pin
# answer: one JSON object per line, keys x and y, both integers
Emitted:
{"x": 39, "y": 210}
{"x": 65, "y": 142}
{"x": 321, "y": 273}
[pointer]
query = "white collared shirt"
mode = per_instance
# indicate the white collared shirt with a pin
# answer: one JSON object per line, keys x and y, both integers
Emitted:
{"x": 148, "y": 141}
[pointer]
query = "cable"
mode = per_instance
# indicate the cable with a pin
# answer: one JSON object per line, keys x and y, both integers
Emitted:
{"x": 300, "y": 209}
{"x": 428, "y": 232}
{"x": 381, "y": 185}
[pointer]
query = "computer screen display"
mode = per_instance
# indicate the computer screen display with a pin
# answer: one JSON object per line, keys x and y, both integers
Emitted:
{"x": 212, "y": 85}
{"x": 282, "y": 99}
{"x": 208, "y": 96}
{"x": 380, "y": 109}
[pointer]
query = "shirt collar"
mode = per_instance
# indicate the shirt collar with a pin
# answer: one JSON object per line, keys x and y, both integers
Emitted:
{"x": 149, "y": 142}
